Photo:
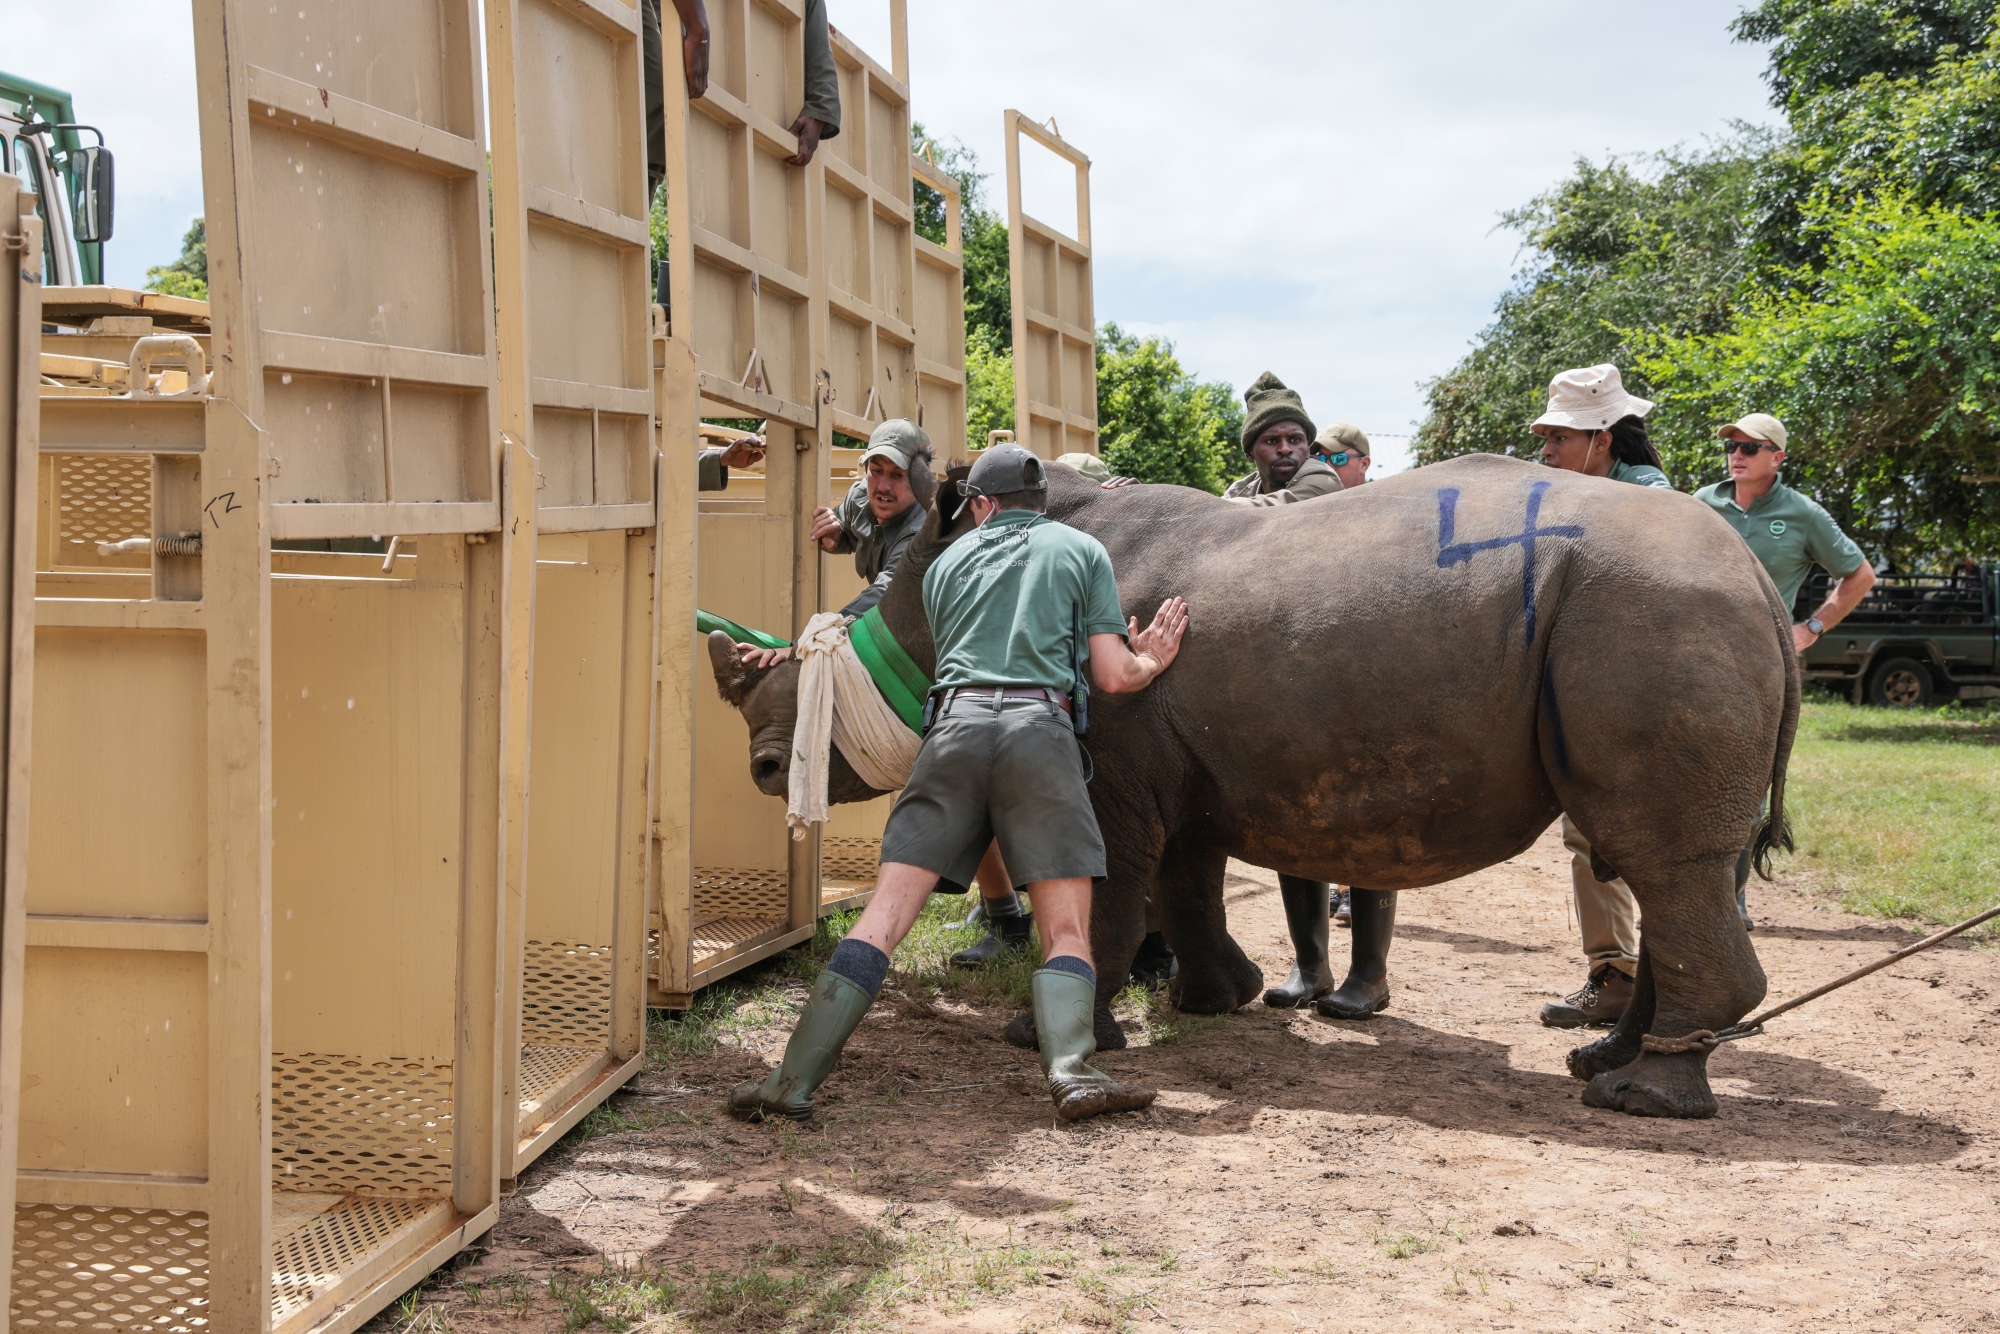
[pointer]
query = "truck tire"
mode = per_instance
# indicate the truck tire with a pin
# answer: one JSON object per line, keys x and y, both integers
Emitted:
{"x": 1901, "y": 683}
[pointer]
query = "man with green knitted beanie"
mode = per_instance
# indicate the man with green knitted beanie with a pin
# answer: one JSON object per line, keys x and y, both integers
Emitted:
{"x": 1022, "y": 607}
{"x": 1278, "y": 437}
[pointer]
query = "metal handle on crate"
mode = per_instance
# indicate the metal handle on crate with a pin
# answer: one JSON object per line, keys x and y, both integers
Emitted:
{"x": 175, "y": 347}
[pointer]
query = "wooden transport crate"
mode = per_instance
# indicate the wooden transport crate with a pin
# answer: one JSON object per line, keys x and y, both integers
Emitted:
{"x": 20, "y": 419}
{"x": 572, "y": 305}
{"x": 811, "y": 306}
{"x": 261, "y": 1046}
{"x": 1055, "y": 338}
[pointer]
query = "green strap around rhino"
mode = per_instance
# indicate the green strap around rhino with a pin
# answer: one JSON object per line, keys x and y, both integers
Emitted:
{"x": 902, "y": 683}
{"x": 707, "y": 623}
{"x": 896, "y": 675}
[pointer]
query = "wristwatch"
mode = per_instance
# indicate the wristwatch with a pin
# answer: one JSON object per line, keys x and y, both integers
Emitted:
{"x": 1816, "y": 625}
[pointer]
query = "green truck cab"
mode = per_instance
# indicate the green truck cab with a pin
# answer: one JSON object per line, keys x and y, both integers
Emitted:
{"x": 1916, "y": 639}
{"x": 41, "y": 143}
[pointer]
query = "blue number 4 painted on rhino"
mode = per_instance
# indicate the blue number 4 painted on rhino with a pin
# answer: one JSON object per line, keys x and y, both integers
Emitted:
{"x": 1452, "y": 553}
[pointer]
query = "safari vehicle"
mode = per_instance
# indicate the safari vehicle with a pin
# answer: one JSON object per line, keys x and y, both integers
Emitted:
{"x": 1916, "y": 639}
{"x": 41, "y": 143}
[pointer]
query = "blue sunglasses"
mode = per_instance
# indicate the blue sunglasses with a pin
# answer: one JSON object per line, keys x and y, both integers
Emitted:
{"x": 1338, "y": 460}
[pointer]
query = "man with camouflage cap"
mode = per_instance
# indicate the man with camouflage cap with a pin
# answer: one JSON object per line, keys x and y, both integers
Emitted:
{"x": 1017, "y": 606}
{"x": 1278, "y": 436}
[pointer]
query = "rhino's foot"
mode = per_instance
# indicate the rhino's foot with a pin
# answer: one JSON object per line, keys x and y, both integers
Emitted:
{"x": 1020, "y": 1032}
{"x": 1656, "y": 1085}
{"x": 1217, "y": 986}
{"x": 1613, "y": 1051}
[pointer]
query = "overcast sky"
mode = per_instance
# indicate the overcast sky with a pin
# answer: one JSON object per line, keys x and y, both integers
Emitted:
{"x": 1304, "y": 186}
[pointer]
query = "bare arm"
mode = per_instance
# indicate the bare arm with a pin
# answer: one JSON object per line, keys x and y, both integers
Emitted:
{"x": 694, "y": 45}
{"x": 1118, "y": 670}
{"x": 1846, "y": 595}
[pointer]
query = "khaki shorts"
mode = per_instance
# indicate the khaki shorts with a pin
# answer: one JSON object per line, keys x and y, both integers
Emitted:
{"x": 1009, "y": 769}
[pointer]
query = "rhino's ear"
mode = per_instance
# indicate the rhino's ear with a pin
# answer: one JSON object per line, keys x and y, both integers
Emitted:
{"x": 923, "y": 486}
{"x": 732, "y": 675}
{"x": 949, "y": 497}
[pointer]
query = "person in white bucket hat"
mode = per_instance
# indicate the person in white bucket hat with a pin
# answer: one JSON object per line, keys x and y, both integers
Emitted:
{"x": 1593, "y": 426}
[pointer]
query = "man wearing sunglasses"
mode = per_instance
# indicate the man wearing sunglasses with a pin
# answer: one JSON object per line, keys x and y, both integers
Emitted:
{"x": 1789, "y": 534}
{"x": 1344, "y": 449}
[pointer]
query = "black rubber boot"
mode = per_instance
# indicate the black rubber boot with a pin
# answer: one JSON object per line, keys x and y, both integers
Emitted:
{"x": 831, "y": 1015}
{"x": 1064, "y": 1004}
{"x": 1365, "y": 993}
{"x": 1155, "y": 963}
{"x": 1306, "y": 918}
{"x": 1002, "y": 935}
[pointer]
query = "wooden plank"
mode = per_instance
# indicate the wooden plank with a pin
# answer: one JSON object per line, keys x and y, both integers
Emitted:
{"x": 591, "y": 219}
{"x": 117, "y": 933}
{"x": 77, "y": 425}
{"x": 612, "y": 18}
{"x": 345, "y": 120}
{"x": 592, "y": 518}
{"x": 112, "y": 1190}
{"x": 591, "y": 397}
{"x": 299, "y": 522}
{"x": 345, "y": 356}
{"x": 114, "y": 613}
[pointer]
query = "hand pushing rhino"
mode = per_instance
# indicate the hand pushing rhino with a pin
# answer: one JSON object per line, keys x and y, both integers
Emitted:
{"x": 1521, "y": 649}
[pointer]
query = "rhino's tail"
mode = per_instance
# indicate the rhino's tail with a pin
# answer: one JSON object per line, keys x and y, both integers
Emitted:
{"x": 1774, "y": 830}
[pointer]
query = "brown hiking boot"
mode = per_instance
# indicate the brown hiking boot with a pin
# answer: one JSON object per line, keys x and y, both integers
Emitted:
{"x": 1597, "y": 1005}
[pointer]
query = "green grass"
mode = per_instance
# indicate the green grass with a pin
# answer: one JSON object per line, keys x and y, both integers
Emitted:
{"x": 771, "y": 992}
{"x": 1897, "y": 811}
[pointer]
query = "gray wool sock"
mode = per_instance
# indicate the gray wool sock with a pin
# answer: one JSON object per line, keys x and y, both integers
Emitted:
{"x": 860, "y": 963}
{"x": 1075, "y": 967}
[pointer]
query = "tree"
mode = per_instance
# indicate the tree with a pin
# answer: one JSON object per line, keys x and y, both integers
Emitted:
{"x": 1157, "y": 423}
{"x": 1628, "y": 246}
{"x": 188, "y": 275}
{"x": 1884, "y": 364}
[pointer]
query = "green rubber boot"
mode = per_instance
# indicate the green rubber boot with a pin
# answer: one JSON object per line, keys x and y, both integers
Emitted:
{"x": 1063, "y": 1006}
{"x": 831, "y": 1015}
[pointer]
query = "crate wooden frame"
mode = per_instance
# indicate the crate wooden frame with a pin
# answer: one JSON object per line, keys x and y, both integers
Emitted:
{"x": 941, "y": 320}
{"x": 571, "y": 244}
{"x": 20, "y": 352}
{"x": 373, "y": 1077}
{"x": 1055, "y": 320}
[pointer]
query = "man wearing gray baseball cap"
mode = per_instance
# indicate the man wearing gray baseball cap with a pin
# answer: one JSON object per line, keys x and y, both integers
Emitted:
{"x": 1017, "y": 607}
{"x": 882, "y": 514}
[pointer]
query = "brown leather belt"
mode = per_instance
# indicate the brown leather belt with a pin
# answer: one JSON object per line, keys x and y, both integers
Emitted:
{"x": 1010, "y": 692}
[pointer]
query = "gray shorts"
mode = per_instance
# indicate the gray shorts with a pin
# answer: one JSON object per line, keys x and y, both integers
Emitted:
{"x": 1009, "y": 769}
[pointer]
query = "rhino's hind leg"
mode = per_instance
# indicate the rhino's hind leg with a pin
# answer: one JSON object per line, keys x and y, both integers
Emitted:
{"x": 1699, "y": 972}
{"x": 1619, "y": 1047}
{"x": 1216, "y": 976}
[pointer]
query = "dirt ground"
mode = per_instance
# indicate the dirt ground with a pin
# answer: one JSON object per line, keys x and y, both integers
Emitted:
{"x": 1432, "y": 1169}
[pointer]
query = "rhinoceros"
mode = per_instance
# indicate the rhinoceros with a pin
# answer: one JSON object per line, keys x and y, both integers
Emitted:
{"x": 1404, "y": 683}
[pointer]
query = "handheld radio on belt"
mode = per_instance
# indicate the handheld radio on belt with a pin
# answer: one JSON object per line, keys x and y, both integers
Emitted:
{"x": 1079, "y": 694}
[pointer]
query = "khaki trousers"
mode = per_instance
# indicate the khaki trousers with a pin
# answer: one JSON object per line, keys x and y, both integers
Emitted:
{"x": 1607, "y": 912}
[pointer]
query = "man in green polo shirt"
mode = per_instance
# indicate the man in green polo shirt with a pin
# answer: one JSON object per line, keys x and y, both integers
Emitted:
{"x": 1017, "y": 606}
{"x": 1789, "y": 534}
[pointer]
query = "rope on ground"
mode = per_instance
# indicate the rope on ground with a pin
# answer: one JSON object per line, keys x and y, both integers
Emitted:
{"x": 839, "y": 705}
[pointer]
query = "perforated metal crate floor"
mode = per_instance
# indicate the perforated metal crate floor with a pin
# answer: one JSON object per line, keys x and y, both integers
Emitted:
{"x": 95, "y": 1270}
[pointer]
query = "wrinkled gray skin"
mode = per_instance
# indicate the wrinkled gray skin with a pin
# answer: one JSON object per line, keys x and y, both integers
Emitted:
{"x": 1656, "y": 703}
